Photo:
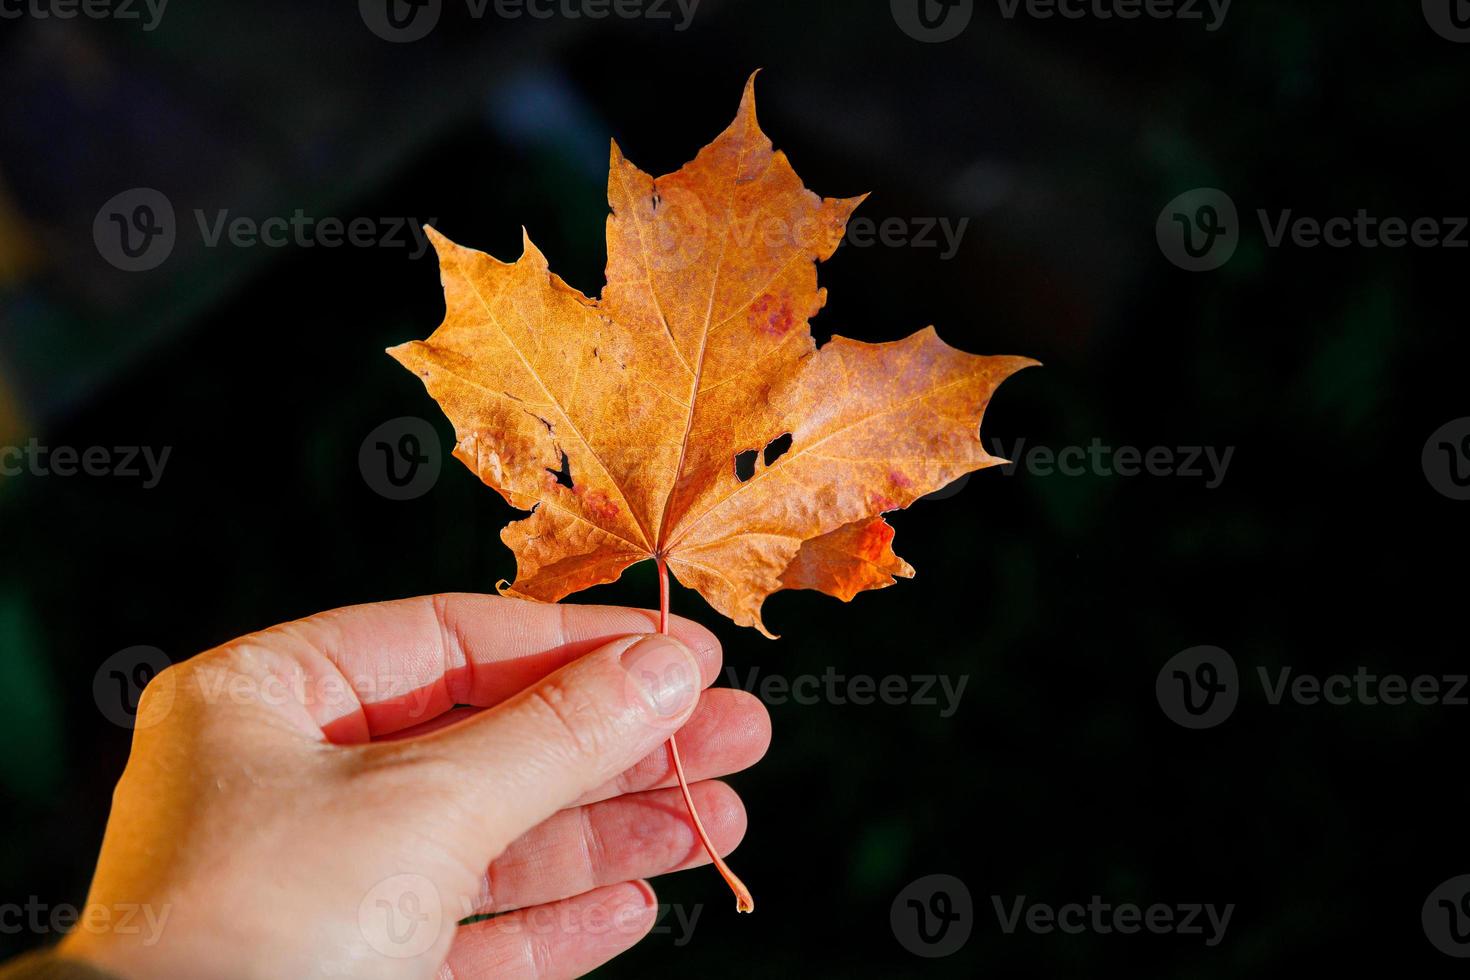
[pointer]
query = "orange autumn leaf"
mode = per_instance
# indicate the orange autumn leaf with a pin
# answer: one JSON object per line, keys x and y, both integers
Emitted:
{"x": 650, "y": 423}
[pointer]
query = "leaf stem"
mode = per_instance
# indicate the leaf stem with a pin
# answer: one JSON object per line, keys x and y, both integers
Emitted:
{"x": 743, "y": 900}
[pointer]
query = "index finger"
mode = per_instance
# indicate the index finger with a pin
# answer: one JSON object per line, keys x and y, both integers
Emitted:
{"x": 386, "y": 666}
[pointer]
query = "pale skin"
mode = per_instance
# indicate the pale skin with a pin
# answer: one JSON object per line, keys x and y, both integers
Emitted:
{"x": 307, "y": 801}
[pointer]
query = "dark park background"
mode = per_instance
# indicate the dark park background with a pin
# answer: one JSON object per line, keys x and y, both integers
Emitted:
{"x": 1329, "y": 546}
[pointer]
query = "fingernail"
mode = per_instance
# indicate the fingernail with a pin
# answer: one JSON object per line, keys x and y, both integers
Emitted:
{"x": 663, "y": 672}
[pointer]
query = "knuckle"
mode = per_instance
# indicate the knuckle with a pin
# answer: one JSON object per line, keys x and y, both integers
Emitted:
{"x": 572, "y": 718}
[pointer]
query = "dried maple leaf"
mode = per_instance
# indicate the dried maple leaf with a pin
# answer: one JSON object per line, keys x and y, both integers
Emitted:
{"x": 651, "y": 423}
{"x": 620, "y": 421}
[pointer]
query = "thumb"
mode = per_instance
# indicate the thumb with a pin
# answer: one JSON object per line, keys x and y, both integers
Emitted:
{"x": 572, "y": 731}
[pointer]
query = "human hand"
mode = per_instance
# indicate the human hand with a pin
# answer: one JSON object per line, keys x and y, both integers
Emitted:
{"x": 309, "y": 801}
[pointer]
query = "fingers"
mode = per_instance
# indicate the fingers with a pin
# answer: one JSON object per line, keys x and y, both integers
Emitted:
{"x": 549, "y": 942}
{"x": 565, "y": 735}
{"x": 729, "y": 731}
{"x": 638, "y": 836}
{"x": 365, "y": 671}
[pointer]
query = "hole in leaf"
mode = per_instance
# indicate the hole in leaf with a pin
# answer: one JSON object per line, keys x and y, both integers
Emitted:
{"x": 563, "y": 475}
{"x": 777, "y": 447}
{"x": 745, "y": 465}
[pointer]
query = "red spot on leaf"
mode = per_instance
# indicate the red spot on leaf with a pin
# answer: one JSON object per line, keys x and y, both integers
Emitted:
{"x": 597, "y": 503}
{"x": 771, "y": 316}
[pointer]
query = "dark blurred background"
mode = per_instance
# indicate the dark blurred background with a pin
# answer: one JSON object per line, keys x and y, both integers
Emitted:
{"x": 1325, "y": 547}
